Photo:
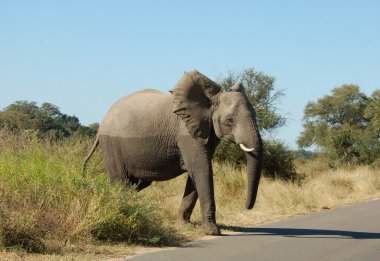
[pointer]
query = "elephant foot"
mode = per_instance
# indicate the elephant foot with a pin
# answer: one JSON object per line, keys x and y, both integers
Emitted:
{"x": 185, "y": 218}
{"x": 212, "y": 230}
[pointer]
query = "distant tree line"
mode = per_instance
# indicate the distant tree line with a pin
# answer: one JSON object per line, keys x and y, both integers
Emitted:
{"x": 47, "y": 120}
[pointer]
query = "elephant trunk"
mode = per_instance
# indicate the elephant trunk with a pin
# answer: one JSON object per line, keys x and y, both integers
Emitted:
{"x": 254, "y": 163}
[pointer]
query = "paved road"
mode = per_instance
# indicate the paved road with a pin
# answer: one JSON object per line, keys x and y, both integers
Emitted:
{"x": 348, "y": 233}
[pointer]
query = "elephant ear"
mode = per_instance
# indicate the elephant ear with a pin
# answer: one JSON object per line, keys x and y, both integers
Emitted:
{"x": 237, "y": 87}
{"x": 194, "y": 97}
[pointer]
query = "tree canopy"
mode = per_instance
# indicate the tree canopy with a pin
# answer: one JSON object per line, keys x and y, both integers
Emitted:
{"x": 344, "y": 124}
{"x": 47, "y": 120}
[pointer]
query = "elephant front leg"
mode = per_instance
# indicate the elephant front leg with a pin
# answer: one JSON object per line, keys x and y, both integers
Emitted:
{"x": 205, "y": 189}
{"x": 188, "y": 201}
{"x": 198, "y": 164}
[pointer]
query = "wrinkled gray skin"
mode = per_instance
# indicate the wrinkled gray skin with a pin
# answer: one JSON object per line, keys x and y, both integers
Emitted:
{"x": 152, "y": 136}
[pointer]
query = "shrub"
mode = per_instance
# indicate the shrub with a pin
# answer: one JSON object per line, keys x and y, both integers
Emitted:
{"x": 230, "y": 153}
{"x": 278, "y": 159}
{"x": 376, "y": 164}
{"x": 279, "y": 162}
{"x": 45, "y": 200}
{"x": 315, "y": 166}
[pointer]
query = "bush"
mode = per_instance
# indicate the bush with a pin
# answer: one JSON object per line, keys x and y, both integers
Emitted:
{"x": 45, "y": 200}
{"x": 279, "y": 162}
{"x": 376, "y": 164}
{"x": 315, "y": 166}
{"x": 278, "y": 159}
{"x": 230, "y": 153}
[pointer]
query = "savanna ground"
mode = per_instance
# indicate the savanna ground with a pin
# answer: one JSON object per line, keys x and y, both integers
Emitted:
{"x": 50, "y": 211}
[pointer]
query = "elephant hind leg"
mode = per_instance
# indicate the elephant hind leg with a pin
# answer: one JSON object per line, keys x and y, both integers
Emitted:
{"x": 188, "y": 201}
{"x": 115, "y": 163}
{"x": 137, "y": 183}
{"x": 143, "y": 184}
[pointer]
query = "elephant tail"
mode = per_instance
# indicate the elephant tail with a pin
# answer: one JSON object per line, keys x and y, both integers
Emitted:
{"x": 96, "y": 143}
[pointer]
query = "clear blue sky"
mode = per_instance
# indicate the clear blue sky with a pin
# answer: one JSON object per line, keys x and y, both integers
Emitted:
{"x": 84, "y": 55}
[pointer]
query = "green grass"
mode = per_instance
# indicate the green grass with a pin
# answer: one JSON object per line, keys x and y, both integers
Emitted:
{"x": 47, "y": 204}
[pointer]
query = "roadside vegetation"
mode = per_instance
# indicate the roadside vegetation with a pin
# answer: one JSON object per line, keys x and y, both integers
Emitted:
{"x": 49, "y": 210}
{"x": 277, "y": 198}
{"x": 48, "y": 207}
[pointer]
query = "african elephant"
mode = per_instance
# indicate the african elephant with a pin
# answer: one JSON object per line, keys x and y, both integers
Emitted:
{"x": 153, "y": 136}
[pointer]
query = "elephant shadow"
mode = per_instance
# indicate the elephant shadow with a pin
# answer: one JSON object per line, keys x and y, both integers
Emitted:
{"x": 300, "y": 232}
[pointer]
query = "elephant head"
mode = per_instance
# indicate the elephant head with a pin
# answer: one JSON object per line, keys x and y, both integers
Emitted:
{"x": 202, "y": 105}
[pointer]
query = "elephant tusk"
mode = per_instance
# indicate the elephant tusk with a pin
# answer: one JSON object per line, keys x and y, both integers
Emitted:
{"x": 245, "y": 148}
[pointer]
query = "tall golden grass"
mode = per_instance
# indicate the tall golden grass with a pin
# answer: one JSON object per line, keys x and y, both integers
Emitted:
{"x": 276, "y": 199}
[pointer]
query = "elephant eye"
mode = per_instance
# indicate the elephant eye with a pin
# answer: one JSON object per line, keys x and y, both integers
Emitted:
{"x": 229, "y": 120}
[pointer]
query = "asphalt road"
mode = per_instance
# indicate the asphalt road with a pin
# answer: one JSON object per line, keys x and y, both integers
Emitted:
{"x": 347, "y": 233}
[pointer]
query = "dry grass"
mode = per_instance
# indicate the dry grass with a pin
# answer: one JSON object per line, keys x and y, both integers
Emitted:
{"x": 111, "y": 252}
{"x": 276, "y": 199}
{"x": 47, "y": 206}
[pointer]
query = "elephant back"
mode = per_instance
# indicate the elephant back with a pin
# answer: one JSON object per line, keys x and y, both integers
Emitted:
{"x": 140, "y": 114}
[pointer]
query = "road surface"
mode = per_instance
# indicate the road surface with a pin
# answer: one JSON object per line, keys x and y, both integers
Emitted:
{"x": 347, "y": 233}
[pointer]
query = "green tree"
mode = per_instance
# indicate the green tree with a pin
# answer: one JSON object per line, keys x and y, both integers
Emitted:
{"x": 20, "y": 115}
{"x": 372, "y": 113}
{"x": 49, "y": 110}
{"x": 47, "y": 120}
{"x": 372, "y": 137}
{"x": 24, "y": 107}
{"x": 340, "y": 124}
